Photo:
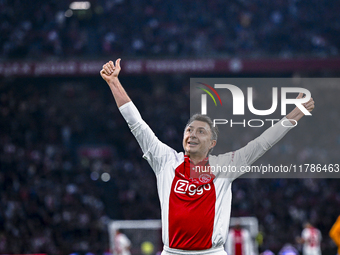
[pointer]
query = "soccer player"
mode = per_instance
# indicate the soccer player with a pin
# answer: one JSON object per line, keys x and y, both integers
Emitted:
{"x": 195, "y": 211}
{"x": 122, "y": 244}
{"x": 239, "y": 241}
{"x": 311, "y": 240}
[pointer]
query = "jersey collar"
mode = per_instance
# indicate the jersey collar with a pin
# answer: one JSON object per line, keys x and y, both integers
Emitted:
{"x": 203, "y": 162}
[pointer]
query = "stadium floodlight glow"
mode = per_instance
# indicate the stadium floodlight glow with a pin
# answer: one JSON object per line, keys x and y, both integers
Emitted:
{"x": 81, "y": 5}
{"x": 105, "y": 177}
{"x": 94, "y": 176}
{"x": 68, "y": 13}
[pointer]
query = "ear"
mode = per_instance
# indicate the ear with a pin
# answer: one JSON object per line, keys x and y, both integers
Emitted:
{"x": 212, "y": 145}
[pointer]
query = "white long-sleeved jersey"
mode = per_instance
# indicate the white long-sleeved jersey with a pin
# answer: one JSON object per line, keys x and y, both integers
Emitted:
{"x": 122, "y": 245}
{"x": 312, "y": 237}
{"x": 195, "y": 211}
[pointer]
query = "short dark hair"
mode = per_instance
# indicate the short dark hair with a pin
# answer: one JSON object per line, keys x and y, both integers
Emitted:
{"x": 206, "y": 119}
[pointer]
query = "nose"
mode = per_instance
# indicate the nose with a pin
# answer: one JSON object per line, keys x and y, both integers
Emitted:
{"x": 192, "y": 134}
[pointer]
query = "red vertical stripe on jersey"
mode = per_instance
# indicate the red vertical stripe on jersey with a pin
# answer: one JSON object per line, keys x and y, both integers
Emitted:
{"x": 191, "y": 212}
{"x": 237, "y": 242}
{"x": 313, "y": 239}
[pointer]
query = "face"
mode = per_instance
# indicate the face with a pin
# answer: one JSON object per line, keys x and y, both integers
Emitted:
{"x": 197, "y": 139}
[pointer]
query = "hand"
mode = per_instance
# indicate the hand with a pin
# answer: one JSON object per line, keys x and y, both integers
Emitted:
{"x": 299, "y": 240}
{"x": 309, "y": 105}
{"x": 110, "y": 71}
{"x": 296, "y": 114}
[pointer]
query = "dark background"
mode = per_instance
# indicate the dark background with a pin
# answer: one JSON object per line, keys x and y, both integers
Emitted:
{"x": 61, "y": 130}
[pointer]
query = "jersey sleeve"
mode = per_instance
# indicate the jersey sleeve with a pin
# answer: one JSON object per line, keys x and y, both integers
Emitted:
{"x": 154, "y": 151}
{"x": 320, "y": 236}
{"x": 248, "y": 154}
{"x": 229, "y": 243}
{"x": 305, "y": 235}
{"x": 247, "y": 242}
{"x": 126, "y": 242}
{"x": 256, "y": 148}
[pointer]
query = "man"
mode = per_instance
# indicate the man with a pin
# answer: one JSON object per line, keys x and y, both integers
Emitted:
{"x": 239, "y": 241}
{"x": 122, "y": 244}
{"x": 195, "y": 209}
{"x": 334, "y": 233}
{"x": 311, "y": 240}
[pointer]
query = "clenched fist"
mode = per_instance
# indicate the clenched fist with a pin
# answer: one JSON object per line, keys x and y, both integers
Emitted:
{"x": 110, "y": 71}
{"x": 308, "y": 105}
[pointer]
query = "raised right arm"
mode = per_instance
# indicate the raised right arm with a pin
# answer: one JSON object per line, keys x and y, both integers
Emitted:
{"x": 110, "y": 74}
{"x": 155, "y": 152}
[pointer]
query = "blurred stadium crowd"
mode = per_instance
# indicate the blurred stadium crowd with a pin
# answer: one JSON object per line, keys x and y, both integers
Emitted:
{"x": 242, "y": 28}
{"x": 53, "y": 201}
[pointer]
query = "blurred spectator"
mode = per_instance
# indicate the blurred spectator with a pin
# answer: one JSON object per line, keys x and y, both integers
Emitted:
{"x": 49, "y": 29}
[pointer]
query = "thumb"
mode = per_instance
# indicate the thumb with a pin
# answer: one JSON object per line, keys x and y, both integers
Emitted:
{"x": 300, "y": 95}
{"x": 118, "y": 63}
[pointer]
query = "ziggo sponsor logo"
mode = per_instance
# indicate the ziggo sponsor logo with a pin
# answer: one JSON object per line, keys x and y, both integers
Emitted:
{"x": 183, "y": 186}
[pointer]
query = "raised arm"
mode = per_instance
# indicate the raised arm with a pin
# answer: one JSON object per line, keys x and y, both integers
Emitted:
{"x": 271, "y": 136}
{"x": 257, "y": 147}
{"x": 155, "y": 152}
{"x": 110, "y": 74}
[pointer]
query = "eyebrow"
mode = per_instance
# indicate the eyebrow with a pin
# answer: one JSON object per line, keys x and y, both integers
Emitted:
{"x": 198, "y": 127}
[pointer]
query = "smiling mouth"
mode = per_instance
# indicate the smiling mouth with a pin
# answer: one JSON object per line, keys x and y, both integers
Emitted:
{"x": 192, "y": 143}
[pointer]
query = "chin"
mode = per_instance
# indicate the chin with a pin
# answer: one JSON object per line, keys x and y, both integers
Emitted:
{"x": 192, "y": 152}
{"x": 188, "y": 151}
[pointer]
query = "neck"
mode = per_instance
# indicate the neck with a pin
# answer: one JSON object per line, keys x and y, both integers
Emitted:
{"x": 195, "y": 158}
